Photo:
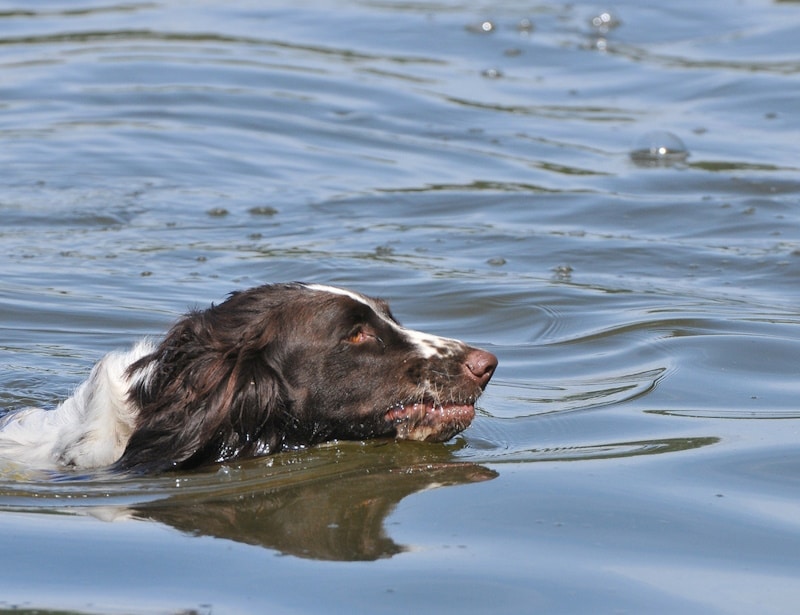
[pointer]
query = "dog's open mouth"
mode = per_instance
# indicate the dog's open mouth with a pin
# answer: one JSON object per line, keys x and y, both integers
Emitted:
{"x": 429, "y": 421}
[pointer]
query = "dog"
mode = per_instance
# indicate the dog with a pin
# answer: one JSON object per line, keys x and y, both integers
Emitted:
{"x": 271, "y": 368}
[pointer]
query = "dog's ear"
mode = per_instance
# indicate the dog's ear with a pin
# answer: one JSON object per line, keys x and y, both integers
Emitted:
{"x": 200, "y": 404}
{"x": 254, "y": 408}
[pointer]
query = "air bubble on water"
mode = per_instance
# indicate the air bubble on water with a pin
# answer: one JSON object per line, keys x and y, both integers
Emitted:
{"x": 483, "y": 27}
{"x": 601, "y": 20}
{"x": 658, "y": 148}
{"x": 562, "y": 273}
{"x": 605, "y": 21}
{"x": 525, "y": 26}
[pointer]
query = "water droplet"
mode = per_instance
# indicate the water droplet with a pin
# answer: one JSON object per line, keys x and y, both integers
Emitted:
{"x": 658, "y": 148}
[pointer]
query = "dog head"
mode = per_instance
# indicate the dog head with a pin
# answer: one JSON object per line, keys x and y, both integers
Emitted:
{"x": 291, "y": 365}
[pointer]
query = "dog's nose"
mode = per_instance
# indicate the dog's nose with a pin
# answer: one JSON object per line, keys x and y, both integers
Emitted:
{"x": 480, "y": 366}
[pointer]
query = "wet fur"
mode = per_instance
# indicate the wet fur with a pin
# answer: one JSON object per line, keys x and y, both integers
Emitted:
{"x": 272, "y": 367}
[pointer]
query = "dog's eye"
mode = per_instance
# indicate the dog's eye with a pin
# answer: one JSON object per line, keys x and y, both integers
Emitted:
{"x": 361, "y": 336}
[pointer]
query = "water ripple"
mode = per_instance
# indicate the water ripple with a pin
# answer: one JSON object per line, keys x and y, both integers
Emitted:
{"x": 609, "y": 450}
{"x": 574, "y": 394}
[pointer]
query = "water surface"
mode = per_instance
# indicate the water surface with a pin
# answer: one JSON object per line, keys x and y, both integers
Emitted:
{"x": 480, "y": 166}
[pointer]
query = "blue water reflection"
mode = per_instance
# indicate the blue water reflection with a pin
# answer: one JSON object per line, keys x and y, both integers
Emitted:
{"x": 637, "y": 447}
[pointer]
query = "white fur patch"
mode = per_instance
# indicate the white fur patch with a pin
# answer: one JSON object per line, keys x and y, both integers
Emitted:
{"x": 90, "y": 429}
{"x": 428, "y": 345}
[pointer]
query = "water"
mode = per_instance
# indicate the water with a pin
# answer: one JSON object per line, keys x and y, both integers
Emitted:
{"x": 481, "y": 166}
